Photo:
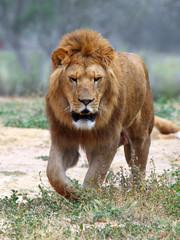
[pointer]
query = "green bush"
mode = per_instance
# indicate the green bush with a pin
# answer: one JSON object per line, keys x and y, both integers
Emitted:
{"x": 15, "y": 81}
{"x": 163, "y": 71}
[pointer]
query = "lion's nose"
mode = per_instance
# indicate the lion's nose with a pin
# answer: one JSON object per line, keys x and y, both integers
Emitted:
{"x": 86, "y": 101}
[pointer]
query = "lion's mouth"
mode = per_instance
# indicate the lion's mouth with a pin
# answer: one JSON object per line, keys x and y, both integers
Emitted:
{"x": 84, "y": 115}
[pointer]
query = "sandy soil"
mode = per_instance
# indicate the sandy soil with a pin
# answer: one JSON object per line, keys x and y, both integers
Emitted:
{"x": 22, "y": 169}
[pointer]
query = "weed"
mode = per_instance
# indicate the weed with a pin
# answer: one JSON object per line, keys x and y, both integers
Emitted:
{"x": 44, "y": 158}
{"x": 148, "y": 210}
{"x": 85, "y": 164}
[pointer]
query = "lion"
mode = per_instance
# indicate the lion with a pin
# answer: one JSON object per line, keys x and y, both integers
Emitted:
{"x": 98, "y": 99}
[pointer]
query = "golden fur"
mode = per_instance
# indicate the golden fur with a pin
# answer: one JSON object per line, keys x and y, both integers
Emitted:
{"x": 98, "y": 99}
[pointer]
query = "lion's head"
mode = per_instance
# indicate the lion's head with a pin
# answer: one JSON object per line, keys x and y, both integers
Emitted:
{"x": 82, "y": 87}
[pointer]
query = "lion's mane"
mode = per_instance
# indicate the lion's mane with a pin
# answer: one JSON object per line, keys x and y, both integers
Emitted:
{"x": 89, "y": 46}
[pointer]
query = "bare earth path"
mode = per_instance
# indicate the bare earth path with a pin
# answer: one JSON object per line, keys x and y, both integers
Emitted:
{"x": 21, "y": 151}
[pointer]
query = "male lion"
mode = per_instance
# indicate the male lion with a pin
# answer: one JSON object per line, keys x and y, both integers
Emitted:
{"x": 98, "y": 99}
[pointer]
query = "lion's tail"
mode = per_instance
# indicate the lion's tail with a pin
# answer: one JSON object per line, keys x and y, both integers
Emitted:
{"x": 167, "y": 128}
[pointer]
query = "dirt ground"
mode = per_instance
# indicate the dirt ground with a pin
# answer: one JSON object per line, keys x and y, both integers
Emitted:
{"x": 22, "y": 167}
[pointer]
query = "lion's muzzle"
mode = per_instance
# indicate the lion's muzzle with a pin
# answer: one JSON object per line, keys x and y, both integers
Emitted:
{"x": 84, "y": 115}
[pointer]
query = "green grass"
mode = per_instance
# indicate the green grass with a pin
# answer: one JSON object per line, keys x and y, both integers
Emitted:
{"x": 120, "y": 211}
{"x": 23, "y": 113}
{"x": 44, "y": 158}
{"x": 168, "y": 108}
{"x": 30, "y": 113}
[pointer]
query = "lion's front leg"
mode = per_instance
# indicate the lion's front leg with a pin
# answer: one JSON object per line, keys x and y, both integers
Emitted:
{"x": 59, "y": 161}
{"x": 100, "y": 159}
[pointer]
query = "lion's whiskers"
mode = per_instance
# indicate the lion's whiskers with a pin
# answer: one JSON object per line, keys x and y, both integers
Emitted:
{"x": 68, "y": 108}
{"x": 102, "y": 109}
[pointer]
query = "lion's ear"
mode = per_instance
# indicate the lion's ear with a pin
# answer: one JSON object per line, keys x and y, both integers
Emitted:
{"x": 60, "y": 56}
{"x": 107, "y": 55}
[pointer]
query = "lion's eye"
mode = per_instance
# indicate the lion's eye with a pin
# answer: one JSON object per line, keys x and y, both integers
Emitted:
{"x": 97, "y": 79}
{"x": 73, "y": 79}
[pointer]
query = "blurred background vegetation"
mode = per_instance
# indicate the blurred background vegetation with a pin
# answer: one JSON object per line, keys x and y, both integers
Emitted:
{"x": 31, "y": 29}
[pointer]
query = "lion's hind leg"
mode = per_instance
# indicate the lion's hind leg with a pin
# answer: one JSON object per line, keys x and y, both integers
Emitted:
{"x": 137, "y": 148}
{"x": 136, "y": 152}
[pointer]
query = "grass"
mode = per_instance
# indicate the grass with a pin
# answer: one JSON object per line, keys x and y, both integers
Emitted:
{"x": 23, "y": 113}
{"x": 44, "y": 158}
{"x": 168, "y": 108}
{"x": 146, "y": 210}
{"x": 13, "y": 173}
{"x": 30, "y": 113}
{"x": 149, "y": 210}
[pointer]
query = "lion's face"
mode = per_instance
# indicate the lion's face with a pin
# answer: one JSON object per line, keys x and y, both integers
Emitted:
{"x": 83, "y": 86}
